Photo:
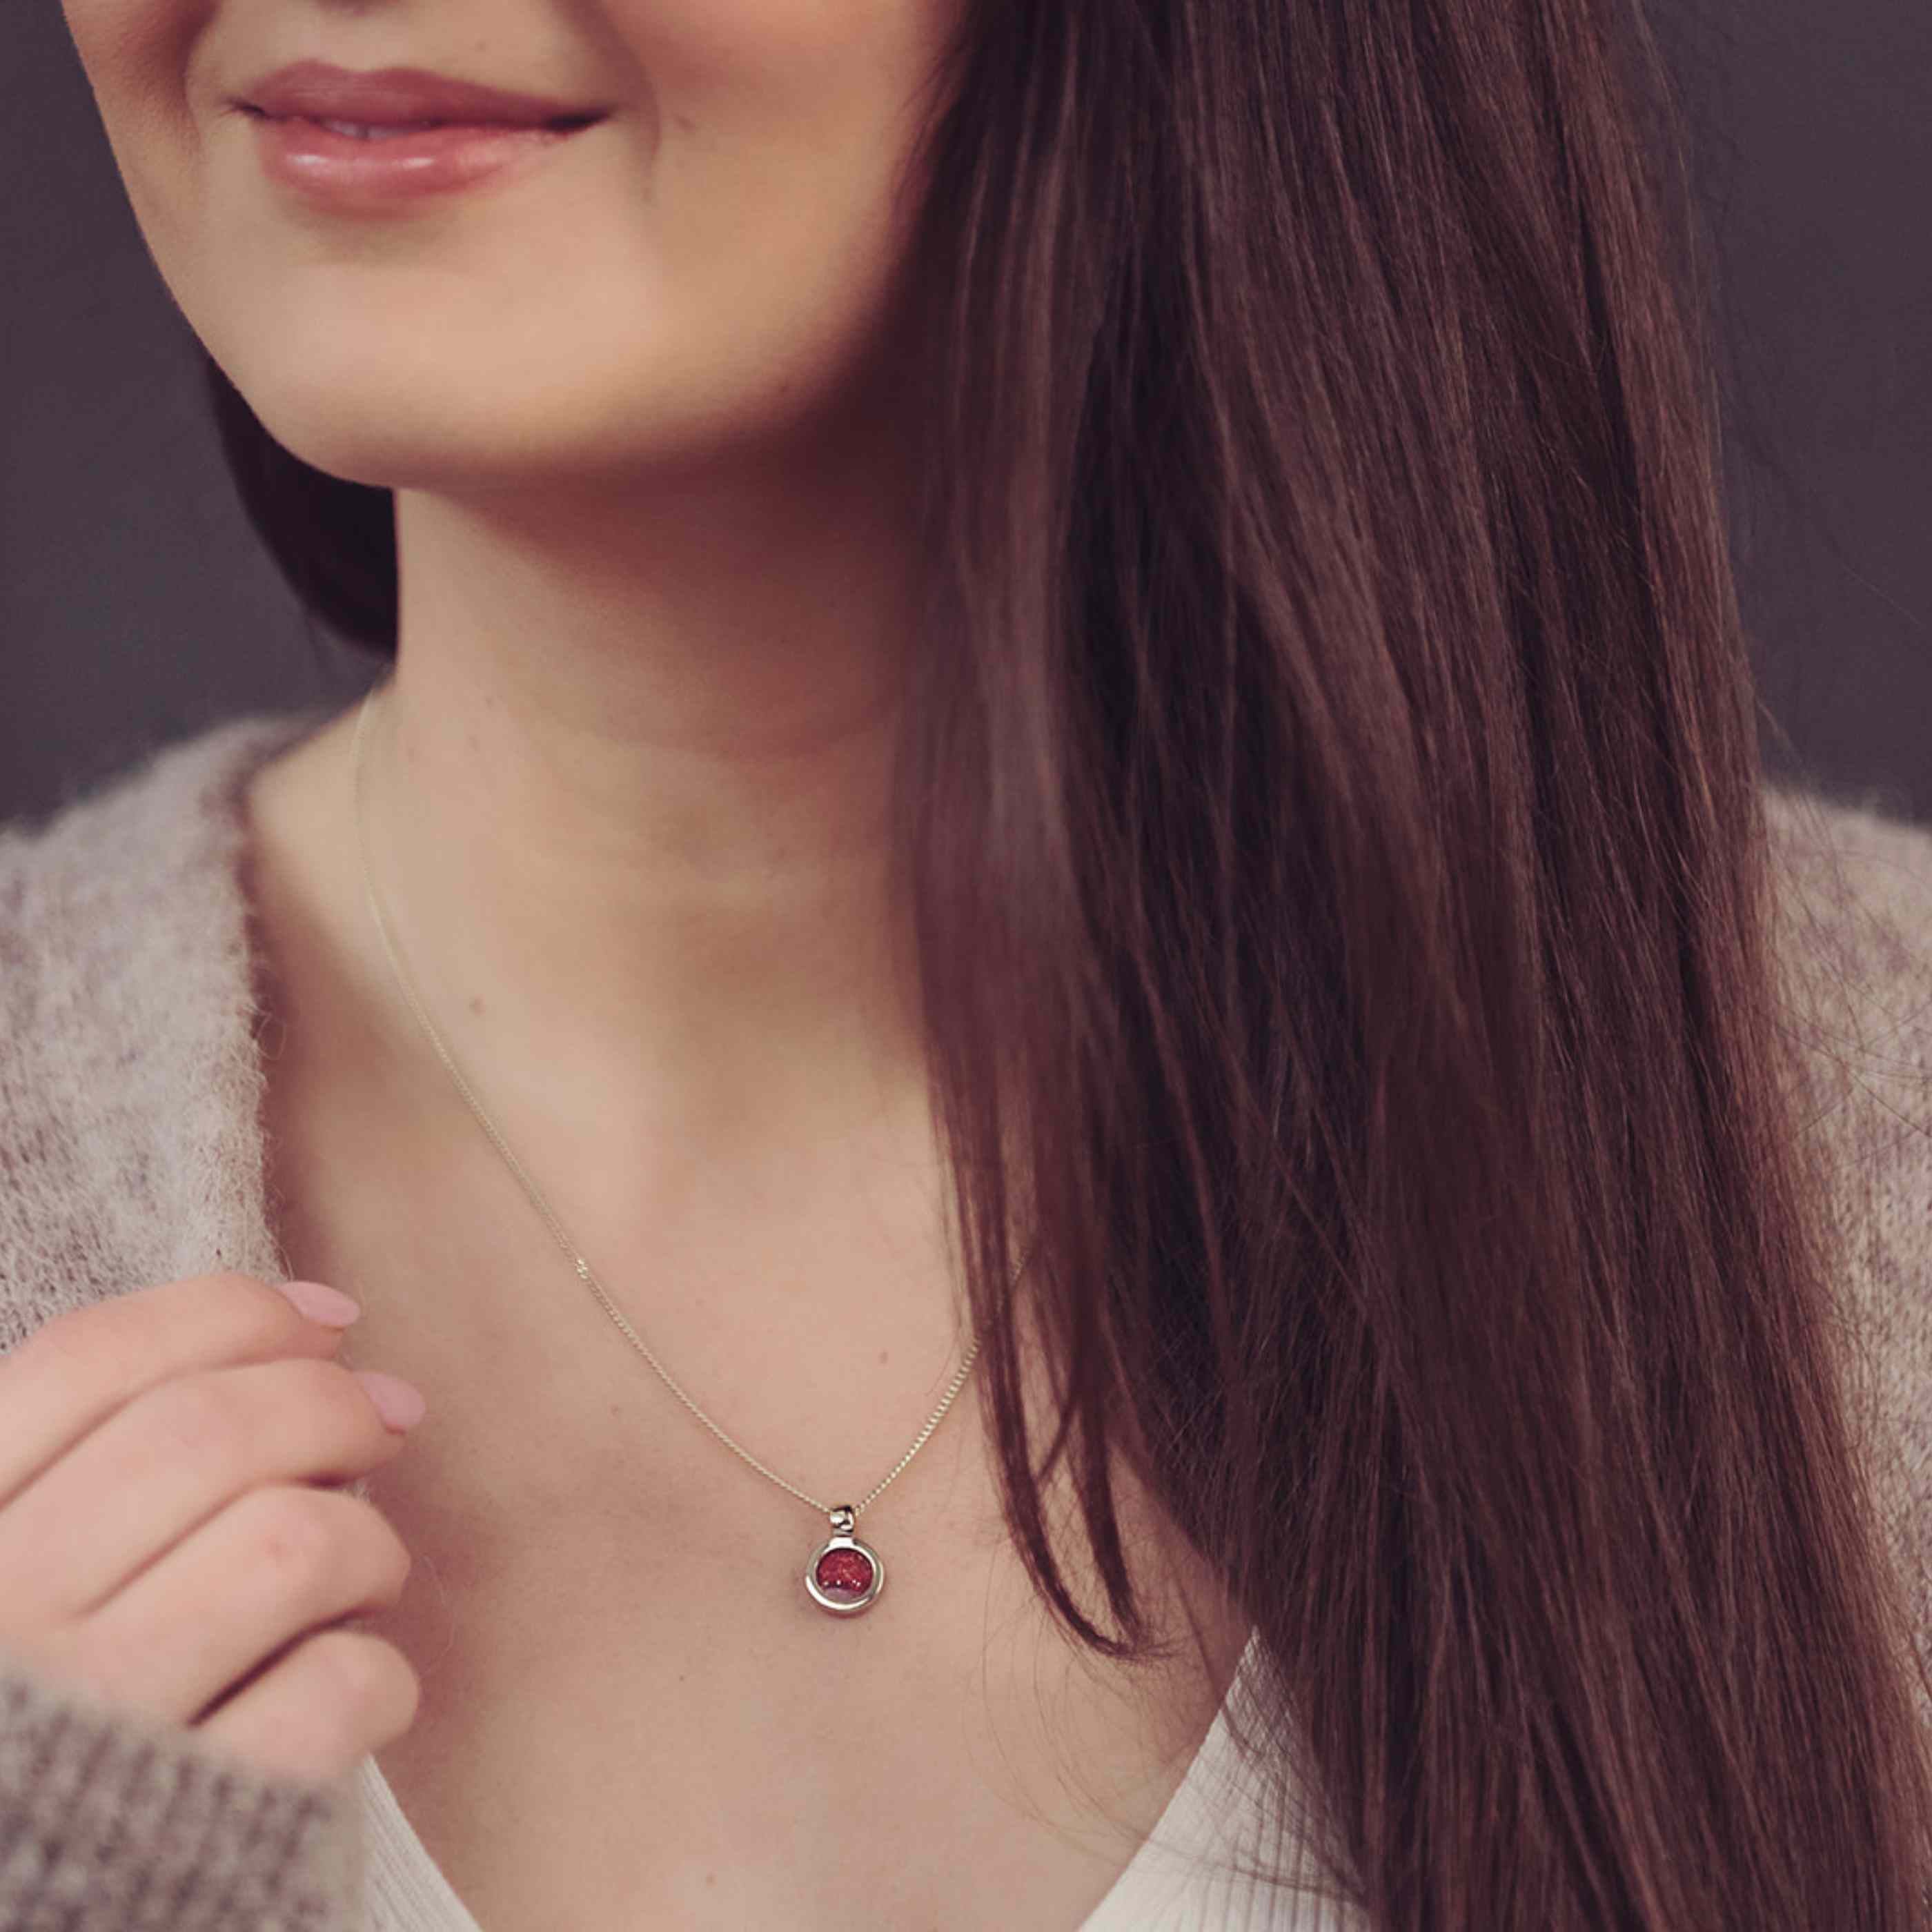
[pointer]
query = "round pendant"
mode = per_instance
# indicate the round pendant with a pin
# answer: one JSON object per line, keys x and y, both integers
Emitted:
{"x": 844, "y": 1575}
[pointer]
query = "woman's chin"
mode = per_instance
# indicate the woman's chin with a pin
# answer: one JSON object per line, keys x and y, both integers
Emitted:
{"x": 453, "y": 460}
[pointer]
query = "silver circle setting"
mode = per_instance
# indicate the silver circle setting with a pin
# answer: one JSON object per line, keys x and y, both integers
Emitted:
{"x": 841, "y": 1539}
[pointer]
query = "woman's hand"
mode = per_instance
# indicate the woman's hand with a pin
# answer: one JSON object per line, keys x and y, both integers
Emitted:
{"x": 164, "y": 1543}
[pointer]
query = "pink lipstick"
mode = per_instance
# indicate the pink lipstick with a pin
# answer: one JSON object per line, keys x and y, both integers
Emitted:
{"x": 351, "y": 140}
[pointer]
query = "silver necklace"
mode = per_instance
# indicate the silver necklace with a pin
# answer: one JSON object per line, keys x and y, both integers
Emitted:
{"x": 844, "y": 1574}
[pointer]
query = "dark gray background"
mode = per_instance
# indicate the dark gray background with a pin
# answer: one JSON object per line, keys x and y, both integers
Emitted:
{"x": 136, "y": 606}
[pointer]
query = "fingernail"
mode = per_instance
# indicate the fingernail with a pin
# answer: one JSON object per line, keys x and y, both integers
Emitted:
{"x": 328, "y": 1305}
{"x": 399, "y": 1403}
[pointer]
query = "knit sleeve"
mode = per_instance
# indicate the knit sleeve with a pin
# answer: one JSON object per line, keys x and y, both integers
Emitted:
{"x": 123, "y": 1097}
{"x": 109, "y": 1821}
{"x": 1855, "y": 930}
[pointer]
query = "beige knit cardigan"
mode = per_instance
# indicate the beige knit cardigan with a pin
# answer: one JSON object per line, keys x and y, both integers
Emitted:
{"x": 131, "y": 1152}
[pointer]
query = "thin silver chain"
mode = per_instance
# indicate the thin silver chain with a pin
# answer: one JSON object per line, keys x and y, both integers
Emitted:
{"x": 543, "y": 1207}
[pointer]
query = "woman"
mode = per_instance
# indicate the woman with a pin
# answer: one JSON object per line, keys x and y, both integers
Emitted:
{"x": 1067, "y": 724}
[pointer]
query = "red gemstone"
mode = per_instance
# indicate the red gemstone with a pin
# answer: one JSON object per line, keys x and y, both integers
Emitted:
{"x": 844, "y": 1572}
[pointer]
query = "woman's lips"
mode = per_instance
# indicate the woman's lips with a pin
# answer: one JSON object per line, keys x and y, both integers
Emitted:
{"x": 391, "y": 162}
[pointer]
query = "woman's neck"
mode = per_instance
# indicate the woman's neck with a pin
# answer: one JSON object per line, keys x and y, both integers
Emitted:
{"x": 627, "y": 800}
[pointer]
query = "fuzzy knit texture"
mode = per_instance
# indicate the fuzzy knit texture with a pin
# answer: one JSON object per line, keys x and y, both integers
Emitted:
{"x": 131, "y": 1152}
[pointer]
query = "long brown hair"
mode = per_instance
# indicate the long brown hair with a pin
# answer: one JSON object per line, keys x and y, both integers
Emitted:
{"x": 1334, "y": 809}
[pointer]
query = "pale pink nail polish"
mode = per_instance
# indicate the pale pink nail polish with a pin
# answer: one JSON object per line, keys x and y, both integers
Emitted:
{"x": 320, "y": 1302}
{"x": 399, "y": 1403}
